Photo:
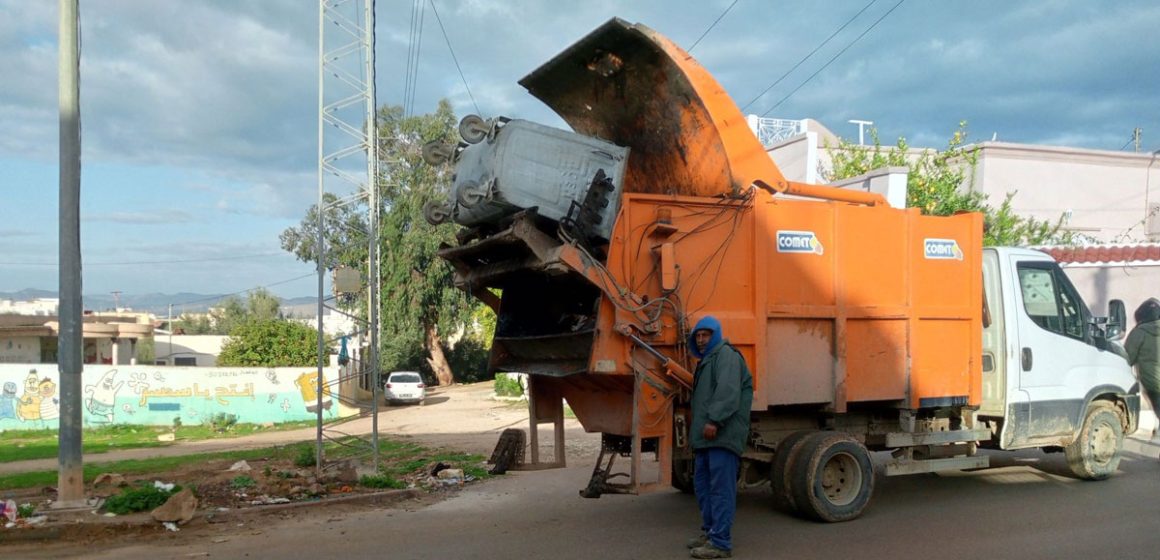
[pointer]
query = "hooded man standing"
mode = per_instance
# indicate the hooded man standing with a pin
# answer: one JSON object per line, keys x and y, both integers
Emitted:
{"x": 722, "y": 396}
{"x": 1143, "y": 347}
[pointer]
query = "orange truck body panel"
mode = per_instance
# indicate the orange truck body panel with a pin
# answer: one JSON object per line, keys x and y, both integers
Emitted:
{"x": 837, "y": 302}
{"x": 863, "y": 316}
{"x": 866, "y": 317}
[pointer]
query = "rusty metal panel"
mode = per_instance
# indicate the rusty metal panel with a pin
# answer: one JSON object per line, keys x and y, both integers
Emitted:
{"x": 876, "y": 365}
{"x": 799, "y": 361}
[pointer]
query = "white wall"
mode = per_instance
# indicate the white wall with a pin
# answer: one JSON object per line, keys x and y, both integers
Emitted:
{"x": 19, "y": 350}
{"x": 203, "y": 347}
{"x": 1107, "y": 193}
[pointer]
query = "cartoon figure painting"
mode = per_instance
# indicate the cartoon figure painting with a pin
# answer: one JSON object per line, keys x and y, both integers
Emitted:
{"x": 102, "y": 396}
{"x": 8, "y": 402}
{"x": 308, "y": 385}
{"x": 29, "y": 404}
{"x": 49, "y": 404}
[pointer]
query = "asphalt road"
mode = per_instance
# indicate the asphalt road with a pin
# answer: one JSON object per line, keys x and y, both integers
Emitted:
{"x": 1026, "y": 508}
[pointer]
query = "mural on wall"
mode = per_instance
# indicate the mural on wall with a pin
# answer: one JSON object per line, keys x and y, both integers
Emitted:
{"x": 165, "y": 395}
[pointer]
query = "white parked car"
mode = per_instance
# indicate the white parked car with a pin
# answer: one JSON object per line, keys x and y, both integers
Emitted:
{"x": 405, "y": 386}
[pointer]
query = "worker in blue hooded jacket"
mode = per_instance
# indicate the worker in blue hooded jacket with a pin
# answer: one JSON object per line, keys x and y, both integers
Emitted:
{"x": 722, "y": 396}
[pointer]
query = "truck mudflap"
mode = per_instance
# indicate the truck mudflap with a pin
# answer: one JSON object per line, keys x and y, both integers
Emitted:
{"x": 629, "y": 85}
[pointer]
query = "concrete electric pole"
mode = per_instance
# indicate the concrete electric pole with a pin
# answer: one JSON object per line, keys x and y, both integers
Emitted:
{"x": 70, "y": 482}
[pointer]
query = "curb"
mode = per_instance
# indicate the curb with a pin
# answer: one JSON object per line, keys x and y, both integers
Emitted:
{"x": 66, "y": 527}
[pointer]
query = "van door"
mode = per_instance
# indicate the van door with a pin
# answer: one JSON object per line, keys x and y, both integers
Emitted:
{"x": 1054, "y": 356}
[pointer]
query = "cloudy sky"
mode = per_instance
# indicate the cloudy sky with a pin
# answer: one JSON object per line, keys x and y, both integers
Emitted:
{"x": 200, "y": 117}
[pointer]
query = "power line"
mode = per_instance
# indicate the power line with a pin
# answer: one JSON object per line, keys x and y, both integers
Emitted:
{"x": 835, "y": 57}
{"x": 454, "y": 58}
{"x": 807, "y": 57}
{"x": 180, "y": 261}
{"x": 271, "y": 285}
{"x": 714, "y": 24}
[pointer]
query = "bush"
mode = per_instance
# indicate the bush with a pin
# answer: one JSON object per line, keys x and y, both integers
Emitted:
{"x": 508, "y": 386}
{"x": 468, "y": 360}
{"x": 381, "y": 481}
{"x": 305, "y": 457}
{"x": 222, "y": 422}
{"x": 143, "y": 497}
{"x": 242, "y": 482}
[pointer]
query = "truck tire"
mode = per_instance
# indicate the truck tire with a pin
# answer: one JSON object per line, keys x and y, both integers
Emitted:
{"x": 782, "y": 466}
{"x": 683, "y": 475}
{"x": 1095, "y": 453}
{"x": 833, "y": 478}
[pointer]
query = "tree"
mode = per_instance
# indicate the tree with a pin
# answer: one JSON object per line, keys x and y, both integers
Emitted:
{"x": 937, "y": 185}
{"x": 419, "y": 304}
{"x": 270, "y": 343}
{"x": 259, "y": 305}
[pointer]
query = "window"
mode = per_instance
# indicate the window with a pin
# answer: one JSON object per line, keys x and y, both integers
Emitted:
{"x": 405, "y": 378}
{"x": 184, "y": 361}
{"x": 1050, "y": 299}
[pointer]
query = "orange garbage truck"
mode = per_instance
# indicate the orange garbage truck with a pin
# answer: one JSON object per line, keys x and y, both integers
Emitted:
{"x": 867, "y": 328}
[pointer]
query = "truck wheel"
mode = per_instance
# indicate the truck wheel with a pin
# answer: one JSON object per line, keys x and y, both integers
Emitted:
{"x": 833, "y": 478}
{"x": 782, "y": 467}
{"x": 1095, "y": 453}
{"x": 683, "y": 475}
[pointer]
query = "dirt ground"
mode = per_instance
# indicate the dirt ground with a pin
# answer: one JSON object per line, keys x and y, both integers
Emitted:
{"x": 461, "y": 418}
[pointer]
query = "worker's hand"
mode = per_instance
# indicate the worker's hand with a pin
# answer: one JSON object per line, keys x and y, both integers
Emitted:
{"x": 710, "y": 432}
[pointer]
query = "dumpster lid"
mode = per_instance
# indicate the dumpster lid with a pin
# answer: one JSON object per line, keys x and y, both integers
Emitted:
{"x": 632, "y": 86}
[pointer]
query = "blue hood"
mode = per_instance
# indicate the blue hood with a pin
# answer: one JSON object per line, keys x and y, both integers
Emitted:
{"x": 708, "y": 322}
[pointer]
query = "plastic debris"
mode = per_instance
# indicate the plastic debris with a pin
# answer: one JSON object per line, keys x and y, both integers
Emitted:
{"x": 8, "y": 510}
{"x": 171, "y": 526}
{"x": 166, "y": 486}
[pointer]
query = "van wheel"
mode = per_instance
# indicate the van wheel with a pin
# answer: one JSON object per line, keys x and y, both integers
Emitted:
{"x": 683, "y": 475}
{"x": 833, "y": 478}
{"x": 1095, "y": 453}
{"x": 781, "y": 469}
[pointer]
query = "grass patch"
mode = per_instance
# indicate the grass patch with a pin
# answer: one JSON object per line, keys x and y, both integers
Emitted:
{"x": 25, "y": 445}
{"x": 381, "y": 481}
{"x": 37, "y": 479}
{"x": 403, "y": 460}
{"x": 142, "y": 497}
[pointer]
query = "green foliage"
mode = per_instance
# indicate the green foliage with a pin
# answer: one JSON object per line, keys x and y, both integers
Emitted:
{"x": 222, "y": 422}
{"x": 306, "y": 457}
{"x": 176, "y": 423}
{"x": 25, "y": 510}
{"x": 508, "y": 386}
{"x": 937, "y": 184}
{"x": 270, "y": 343}
{"x": 1002, "y": 226}
{"x": 233, "y": 311}
{"x": 380, "y": 481}
{"x": 142, "y": 497}
{"x": 468, "y": 359}
{"x": 146, "y": 351}
{"x": 242, "y": 482}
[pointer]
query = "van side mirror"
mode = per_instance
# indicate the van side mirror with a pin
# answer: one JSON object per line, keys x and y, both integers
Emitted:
{"x": 1117, "y": 320}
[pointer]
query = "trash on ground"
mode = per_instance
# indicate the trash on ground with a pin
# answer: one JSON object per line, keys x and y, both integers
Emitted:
{"x": 166, "y": 486}
{"x": 171, "y": 526}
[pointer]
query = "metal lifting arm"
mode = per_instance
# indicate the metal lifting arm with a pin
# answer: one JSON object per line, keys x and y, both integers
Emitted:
{"x": 822, "y": 192}
{"x": 675, "y": 370}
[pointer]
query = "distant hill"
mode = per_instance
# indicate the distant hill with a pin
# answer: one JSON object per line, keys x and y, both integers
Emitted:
{"x": 158, "y": 303}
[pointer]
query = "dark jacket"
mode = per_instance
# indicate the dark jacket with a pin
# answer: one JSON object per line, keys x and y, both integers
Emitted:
{"x": 1143, "y": 345}
{"x": 722, "y": 393}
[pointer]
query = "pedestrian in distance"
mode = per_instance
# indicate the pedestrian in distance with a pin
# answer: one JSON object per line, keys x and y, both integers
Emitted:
{"x": 722, "y": 396}
{"x": 1143, "y": 348}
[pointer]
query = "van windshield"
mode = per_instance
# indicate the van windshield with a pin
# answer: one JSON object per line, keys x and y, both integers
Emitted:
{"x": 405, "y": 378}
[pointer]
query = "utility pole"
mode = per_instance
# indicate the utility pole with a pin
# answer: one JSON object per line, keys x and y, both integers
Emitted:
{"x": 70, "y": 362}
{"x": 1136, "y": 138}
{"x": 116, "y": 300}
